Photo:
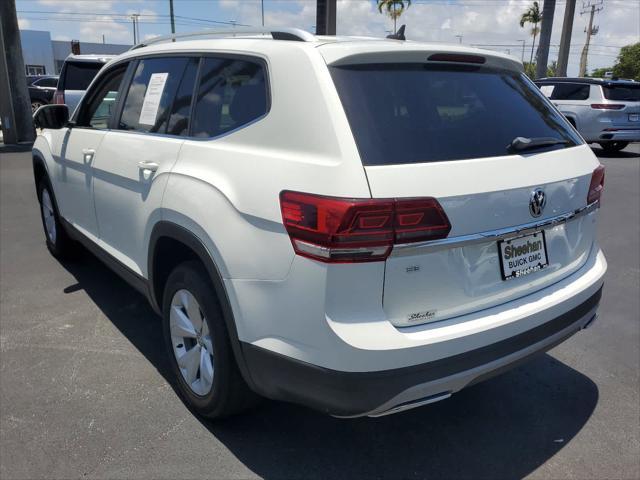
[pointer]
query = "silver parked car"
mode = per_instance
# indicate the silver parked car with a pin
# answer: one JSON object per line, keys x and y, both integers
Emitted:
{"x": 76, "y": 75}
{"x": 604, "y": 111}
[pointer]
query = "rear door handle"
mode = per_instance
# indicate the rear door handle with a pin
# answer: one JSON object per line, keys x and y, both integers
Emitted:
{"x": 87, "y": 154}
{"x": 150, "y": 166}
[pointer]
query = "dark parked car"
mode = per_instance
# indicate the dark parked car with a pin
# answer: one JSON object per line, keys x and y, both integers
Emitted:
{"x": 41, "y": 90}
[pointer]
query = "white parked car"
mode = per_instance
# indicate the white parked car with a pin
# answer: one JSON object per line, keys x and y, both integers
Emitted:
{"x": 603, "y": 111}
{"x": 358, "y": 225}
{"x": 75, "y": 76}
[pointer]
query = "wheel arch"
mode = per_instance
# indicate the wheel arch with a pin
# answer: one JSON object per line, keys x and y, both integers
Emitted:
{"x": 40, "y": 169}
{"x": 184, "y": 245}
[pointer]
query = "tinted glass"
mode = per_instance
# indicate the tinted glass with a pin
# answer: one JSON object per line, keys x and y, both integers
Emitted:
{"x": 79, "y": 75}
{"x": 569, "y": 91}
{"x": 104, "y": 104}
{"x": 181, "y": 108}
{"x": 47, "y": 82}
{"x": 100, "y": 103}
{"x": 153, "y": 88}
{"x": 413, "y": 113}
{"x": 622, "y": 93}
{"x": 231, "y": 93}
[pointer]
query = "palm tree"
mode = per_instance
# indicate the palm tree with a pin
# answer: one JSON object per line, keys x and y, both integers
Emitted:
{"x": 394, "y": 9}
{"x": 532, "y": 15}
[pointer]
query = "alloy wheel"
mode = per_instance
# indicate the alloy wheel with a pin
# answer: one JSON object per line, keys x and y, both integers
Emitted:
{"x": 48, "y": 215}
{"x": 191, "y": 341}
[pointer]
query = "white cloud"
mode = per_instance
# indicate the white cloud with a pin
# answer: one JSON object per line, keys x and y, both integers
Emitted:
{"x": 80, "y": 6}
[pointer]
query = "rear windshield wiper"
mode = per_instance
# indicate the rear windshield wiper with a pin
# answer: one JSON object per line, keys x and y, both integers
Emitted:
{"x": 520, "y": 144}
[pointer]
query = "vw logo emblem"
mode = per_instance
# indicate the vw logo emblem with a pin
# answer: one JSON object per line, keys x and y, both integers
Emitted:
{"x": 537, "y": 202}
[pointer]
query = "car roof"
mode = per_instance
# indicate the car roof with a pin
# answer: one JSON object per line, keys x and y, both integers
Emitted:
{"x": 333, "y": 48}
{"x": 90, "y": 58}
{"x": 587, "y": 80}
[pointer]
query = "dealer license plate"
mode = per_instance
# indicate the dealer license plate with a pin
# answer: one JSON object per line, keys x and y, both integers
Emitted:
{"x": 523, "y": 255}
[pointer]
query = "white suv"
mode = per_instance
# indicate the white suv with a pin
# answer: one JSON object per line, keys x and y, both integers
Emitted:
{"x": 357, "y": 225}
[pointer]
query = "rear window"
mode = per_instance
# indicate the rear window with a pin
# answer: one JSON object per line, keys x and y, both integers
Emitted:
{"x": 628, "y": 93}
{"x": 416, "y": 113}
{"x": 78, "y": 75}
{"x": 565, "y": 91}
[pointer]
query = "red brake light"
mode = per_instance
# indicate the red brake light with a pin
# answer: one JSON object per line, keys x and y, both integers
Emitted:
{"x": 607, "y": 106}
{"x": 58, "y": 97}
{"x": 596, "y": 186}
{"x": 335, "y": 230}
{"x": 456, "y": 57}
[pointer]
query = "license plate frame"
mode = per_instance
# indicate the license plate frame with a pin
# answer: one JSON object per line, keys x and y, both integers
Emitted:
{"x": 530, "y": 266}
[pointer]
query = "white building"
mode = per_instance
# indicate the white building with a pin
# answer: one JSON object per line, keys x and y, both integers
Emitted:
{"x": 43, "y": 56}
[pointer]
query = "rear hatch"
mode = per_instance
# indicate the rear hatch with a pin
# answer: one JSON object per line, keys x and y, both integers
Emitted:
{"x": 446, "y": 129}
{"x": 623, "y": 104}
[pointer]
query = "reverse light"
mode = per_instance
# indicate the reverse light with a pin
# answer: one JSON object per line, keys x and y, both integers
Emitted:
{"x": 346, "y": 230}
{"x": 607, "y": 106}
{"x": 596, "y": 186}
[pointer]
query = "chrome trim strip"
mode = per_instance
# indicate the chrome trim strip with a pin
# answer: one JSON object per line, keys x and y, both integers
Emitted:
{"x": 491, "y": 235}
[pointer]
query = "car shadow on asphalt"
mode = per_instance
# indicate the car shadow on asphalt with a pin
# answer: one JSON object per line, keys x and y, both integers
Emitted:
{"x": 505, "y": 427}
{"x": 600, "y": 153}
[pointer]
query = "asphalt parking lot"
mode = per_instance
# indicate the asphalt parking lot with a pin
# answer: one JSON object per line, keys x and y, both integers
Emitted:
{"x": 85, "y": 390}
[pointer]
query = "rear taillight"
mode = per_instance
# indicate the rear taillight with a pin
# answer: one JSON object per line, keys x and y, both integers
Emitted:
{"x": 344, "y": 230}
{"x": 607, "y": 106}
{"x": 596, "y": 186}
{"x": 58, "y": 97}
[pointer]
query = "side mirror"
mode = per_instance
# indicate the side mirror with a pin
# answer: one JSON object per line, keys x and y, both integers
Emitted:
{"x": 51, "y": 116}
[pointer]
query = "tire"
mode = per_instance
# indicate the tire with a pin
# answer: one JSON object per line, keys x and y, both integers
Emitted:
{"x": 214, "y": 389}
{"x": 58, "y": 242}
{"x": 35, "y": 105}
{"x": 612, "y": 147}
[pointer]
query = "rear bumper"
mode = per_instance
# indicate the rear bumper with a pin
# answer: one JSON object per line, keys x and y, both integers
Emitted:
{"x": 621, "y": 135}
{"x": 353, "y": 394}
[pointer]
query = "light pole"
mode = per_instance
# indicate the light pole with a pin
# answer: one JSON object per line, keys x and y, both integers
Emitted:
{"x": 459, "y": 37}
{"x": 523, "y": 42}
{"x": 262, "y": 8}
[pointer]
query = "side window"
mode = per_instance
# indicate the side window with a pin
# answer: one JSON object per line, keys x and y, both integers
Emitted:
{"x": 46, "y": 82}
{"x": 148, "y": 103}
{"x": 101, "y": 100}
{"x": 231, "y": 93}
{"x": 570, "y": 91}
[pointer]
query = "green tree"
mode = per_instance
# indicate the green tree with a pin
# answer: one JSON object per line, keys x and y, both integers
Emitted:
{"x": 533, "y": 15}
{"x": 394, "y": 9}
{"x": 628, "y": 62}
{"x": 552, "y": 69}
{"x": 599, "y": 72}
{"x": 530, "y": 69}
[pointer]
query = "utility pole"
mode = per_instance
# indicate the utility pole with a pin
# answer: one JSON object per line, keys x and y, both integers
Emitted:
{"x": 15, "y": 106}
{"x": 173, "y": 22}
{"x": 262, "y": 8}
{"x": 548, "y": 11}
{"x": 135, "y": 36}
{"x": 594, "y": 6}
{"x": 459, "y": 37}
{"x": 565, "y": 39}
{"x": 523, "y": 43}
{"x": 326, "y": 17}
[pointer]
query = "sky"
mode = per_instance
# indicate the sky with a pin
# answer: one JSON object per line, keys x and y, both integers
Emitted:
{"x": 492, "y": 24}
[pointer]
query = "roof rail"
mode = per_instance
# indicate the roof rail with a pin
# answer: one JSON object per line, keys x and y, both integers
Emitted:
{"x": 294, "y": 34}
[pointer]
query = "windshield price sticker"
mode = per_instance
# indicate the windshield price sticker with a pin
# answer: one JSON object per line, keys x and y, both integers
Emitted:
{"x": 152, "y": 98}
